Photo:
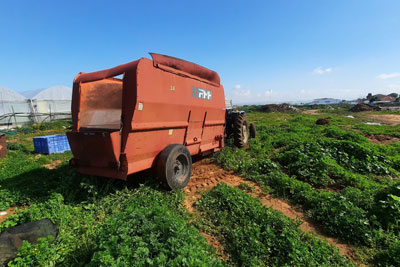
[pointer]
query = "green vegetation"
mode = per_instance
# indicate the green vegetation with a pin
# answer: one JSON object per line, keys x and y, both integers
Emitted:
{"x": 99, "y": 219}
{"x": 149, "y": 233}
{"x": 131, "y": 227}
{"x": 342, "y": 181}
{"x": 379, "y": 129}
{"x": 259, "y": 236}
{"x": 345, "y": 183}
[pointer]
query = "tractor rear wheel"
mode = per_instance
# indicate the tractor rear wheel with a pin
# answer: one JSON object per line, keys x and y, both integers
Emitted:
{"x": 174, "y": 167}
{"x": 241, "y": 131}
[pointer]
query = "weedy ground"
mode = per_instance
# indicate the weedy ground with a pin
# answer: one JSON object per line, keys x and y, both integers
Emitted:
{"x": 102, "y": 222}
{"x": 346, "y": 184}
{"x": 334, "y": 173}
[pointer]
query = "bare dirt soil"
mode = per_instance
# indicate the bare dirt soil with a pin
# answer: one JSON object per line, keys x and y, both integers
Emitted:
{"x": 392, "y": 119}
{"x": 213, "y": 241}
{"x": 54, "y": 164}
{"x": 206, "y": 175}
{"x": 382, "y": 139}
{"x": 312, "y": 112}
{"x": 363, "y": 107}
{"x": 5, "y": 213}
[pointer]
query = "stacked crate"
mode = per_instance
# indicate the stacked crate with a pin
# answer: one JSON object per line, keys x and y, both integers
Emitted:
{"x": 49, "y": 144}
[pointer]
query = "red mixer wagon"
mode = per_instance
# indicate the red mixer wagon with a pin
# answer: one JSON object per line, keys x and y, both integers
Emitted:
{"x": 149, "y": 113}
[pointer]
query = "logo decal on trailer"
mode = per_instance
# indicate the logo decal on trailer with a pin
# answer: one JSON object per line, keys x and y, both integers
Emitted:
{"x": 201, "y": 93}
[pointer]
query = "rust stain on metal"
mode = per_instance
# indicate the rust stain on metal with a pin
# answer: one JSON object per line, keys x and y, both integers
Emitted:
{"x": 3, "y": 145}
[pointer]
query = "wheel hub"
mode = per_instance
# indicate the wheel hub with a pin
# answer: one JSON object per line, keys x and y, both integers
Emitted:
{"x": 180, "y": 168}
{"x": 245, "y": 134}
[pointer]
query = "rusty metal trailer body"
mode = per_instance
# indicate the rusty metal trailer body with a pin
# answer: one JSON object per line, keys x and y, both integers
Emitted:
{"x": 120, "y": 126}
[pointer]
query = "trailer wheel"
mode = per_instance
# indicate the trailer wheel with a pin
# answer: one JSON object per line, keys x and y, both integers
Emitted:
{"x": 252, "y": 130}
{"x": 174, "y": 166}
{"x": 241, "y": 131}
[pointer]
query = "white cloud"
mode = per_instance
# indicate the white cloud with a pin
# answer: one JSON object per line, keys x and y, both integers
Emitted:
{"x": 321, "y": 70}
{"x": 242, "y": 93}
{"x": 268, "y": 93}
{"x": 385, "y": 76}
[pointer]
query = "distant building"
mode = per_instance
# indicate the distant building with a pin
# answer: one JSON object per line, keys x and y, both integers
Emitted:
{"x": 352, "y": 102}
{"x": 382, "y": 98}
{"x": 325, "y": 101}
{"x": 49, "y": 104}
{"x": 388, "y": 98}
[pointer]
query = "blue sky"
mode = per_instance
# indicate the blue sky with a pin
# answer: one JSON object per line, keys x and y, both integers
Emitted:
{"x": 264, "y": 51}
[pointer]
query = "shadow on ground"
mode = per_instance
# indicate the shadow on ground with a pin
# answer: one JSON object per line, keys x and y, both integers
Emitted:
{"x": 38, "y": 184}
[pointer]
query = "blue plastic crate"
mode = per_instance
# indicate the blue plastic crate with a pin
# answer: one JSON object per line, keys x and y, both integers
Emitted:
{"x": 49, "y": 144}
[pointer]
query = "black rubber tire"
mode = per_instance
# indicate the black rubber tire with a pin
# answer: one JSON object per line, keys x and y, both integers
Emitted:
{"x": 174, "y": 167}
{"x": 252, "y": 130}
{"x": 241, "y": 131}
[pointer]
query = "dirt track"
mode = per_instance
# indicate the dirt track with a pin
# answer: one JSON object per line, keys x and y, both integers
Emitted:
{"x": 206, "y": 175}
{"x": 312, "y": 112}
{"x": 382, "y": 139}
{"x": 391, "y": 119}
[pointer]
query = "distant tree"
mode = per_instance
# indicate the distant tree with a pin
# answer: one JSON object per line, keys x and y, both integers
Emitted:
{"x": 373, "y": 98}
{"x": 396, "y": 95}
{"x": 369, "y": 96}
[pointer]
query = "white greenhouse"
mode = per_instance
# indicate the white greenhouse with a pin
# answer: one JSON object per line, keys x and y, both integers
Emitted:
{"x": 50, "y": 104}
